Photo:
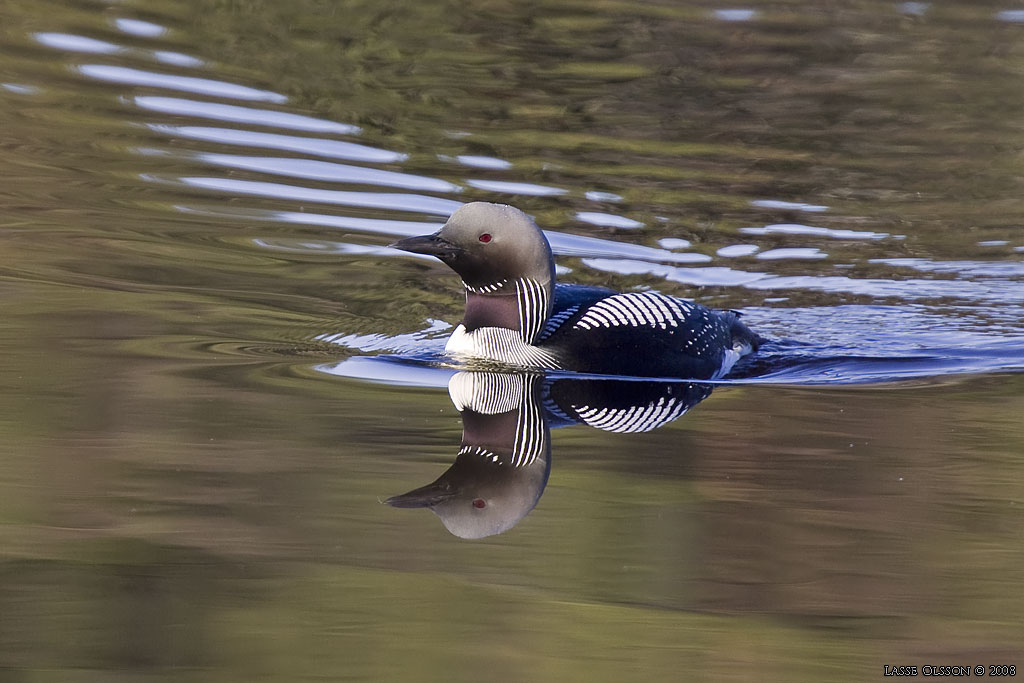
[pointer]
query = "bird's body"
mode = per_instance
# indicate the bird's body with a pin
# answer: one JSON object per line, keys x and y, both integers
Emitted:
{"x": 516, "y": 314}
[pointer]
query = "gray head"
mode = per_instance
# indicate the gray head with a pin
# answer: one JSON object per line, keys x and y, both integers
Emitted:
{"x": 487, "y": 243}
{"x": 478, "y": 497}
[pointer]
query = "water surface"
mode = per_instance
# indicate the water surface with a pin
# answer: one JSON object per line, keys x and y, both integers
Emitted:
{"x": 215, "y": 370}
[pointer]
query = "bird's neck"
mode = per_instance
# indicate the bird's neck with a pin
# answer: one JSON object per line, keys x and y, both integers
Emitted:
{"x": 522, "y": 305}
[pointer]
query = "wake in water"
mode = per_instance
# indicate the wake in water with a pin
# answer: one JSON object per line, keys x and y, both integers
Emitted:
{"x": 807, "y": 346}
{"x": 861, "y": 344}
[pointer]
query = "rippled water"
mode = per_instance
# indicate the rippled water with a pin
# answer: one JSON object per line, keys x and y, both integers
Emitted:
{"x": 215, "y": 369}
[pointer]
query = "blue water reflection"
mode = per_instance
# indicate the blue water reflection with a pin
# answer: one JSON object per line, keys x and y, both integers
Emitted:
{"x": 177, "y": 59}
{"x": 200, "y": 86}
{"x": 788, "y": 206}
{"x": 237, "y": 114}
{"x": 137, "y": 27}
{"x": 477, "y": 161}
{"x": 73, "y": 43}
{"x": 798, "y": 229}
{"x": 397, "y": 202}
{"x": 791, "y": 253}
{"x": 608, "y": 220}
{"x": 328, "y": 171}
{"x": 509, "y": 187}
{"x": 320, "y": 147}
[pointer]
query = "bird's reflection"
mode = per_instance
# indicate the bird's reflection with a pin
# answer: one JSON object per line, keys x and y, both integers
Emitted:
{"x": 503, "y": 463}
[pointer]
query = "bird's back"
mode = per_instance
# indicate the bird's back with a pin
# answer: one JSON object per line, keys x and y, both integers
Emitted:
{"x": 643, "y": 334}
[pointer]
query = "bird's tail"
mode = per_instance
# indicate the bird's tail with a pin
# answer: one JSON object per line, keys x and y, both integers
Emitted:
{"x": 741, "y": 334}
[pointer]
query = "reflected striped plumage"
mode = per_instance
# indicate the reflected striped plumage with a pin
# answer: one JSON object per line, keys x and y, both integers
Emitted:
{"x": 634, "y": 418}
{"x": 491, "y": 393}
{"x": 531, "y": 432}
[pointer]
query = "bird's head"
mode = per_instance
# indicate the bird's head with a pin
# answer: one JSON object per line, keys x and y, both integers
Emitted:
{"x": 487, "y": 244}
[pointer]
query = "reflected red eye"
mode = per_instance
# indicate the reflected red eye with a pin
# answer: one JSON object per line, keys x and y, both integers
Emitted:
{"x": 485, "y": 238}
{"x": 479, "y": 503}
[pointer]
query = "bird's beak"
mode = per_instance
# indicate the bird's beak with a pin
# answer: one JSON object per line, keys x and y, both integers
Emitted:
{"x": 423, "y": 497}
{"x": 434, "y": 245}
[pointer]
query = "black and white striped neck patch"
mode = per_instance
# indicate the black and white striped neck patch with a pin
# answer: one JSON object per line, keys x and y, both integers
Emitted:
{"x": 533, "y": 308}
{"x": 486, "y": 289}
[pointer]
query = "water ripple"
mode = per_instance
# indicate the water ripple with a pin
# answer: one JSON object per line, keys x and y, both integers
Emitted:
{"x": 321, "y": 147}
{"x": 737, "y": 250}
{"x": 321, "y": 247}
{"x": 1012, "y": 16}
{"x": 137, "y": 27}
{"x": 490, "y": 163}
{"x": 598, "y": 196}
{"x": 737, "y": 15}
{"x": 394, "y": 202}
{"x": 201, "y": 86}
{"x": 177, "y": 59}
{"x": 387, "y": 227}
{"x": 608, "y": 220}
{"x": 788, "y": 206}
{"x": 798, "y": 229}
{"x": 566, "y": 244}
{"x": 1005, "y": 269}
{"x": 236, "y": 114}
{"x": 507, "y": 187}
{"x": 791, "y": 253}
{"x": 328, "y": 171}
{"x": 1004, "y": 291}
{"x": 73, "y": 43}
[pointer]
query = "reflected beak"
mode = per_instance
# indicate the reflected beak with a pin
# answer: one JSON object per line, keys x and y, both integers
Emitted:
{"x": 423, "y": 497}
{"x": 427, "y": 244}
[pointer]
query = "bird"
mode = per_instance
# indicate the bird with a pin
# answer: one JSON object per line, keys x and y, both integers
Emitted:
{"x": 517, "y": 315}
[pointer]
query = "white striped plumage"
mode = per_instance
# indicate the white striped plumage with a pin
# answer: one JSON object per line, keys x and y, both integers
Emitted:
{"x": 635, "y": 309}
{"x": 557, "y": 320}
{"x": 500, "y": 344}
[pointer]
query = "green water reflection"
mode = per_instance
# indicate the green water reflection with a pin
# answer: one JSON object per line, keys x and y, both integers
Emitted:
{"x": 184, "y": 496}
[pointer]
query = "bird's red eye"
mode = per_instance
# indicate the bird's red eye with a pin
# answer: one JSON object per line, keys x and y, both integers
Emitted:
{"x": 479, "y": 503}
{"x": 485, "y": 238}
